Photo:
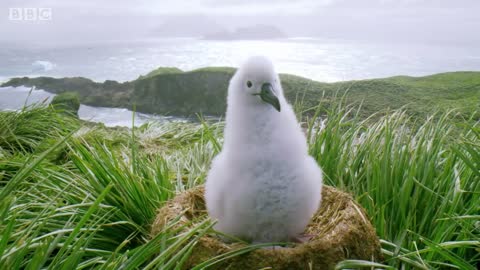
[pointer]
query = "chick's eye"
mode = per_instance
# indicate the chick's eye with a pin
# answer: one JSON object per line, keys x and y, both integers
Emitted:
{"x": 249, "y": 84}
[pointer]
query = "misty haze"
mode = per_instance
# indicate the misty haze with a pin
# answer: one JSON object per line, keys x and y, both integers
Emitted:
{"x": 323, "y": 40}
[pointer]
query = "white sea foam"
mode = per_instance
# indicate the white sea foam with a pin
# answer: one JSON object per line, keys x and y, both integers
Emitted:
{"x": 15, "y": 98}
{"x": 42, "y": 65}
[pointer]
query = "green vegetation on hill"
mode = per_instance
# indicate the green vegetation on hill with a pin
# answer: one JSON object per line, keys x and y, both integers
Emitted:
{"x": 187, "y": 93}
{"x": 171, "y": 91}
{"x": 81, "y": 196}
{"x": 67, "y": 102}
{"x": 162, "y": 70}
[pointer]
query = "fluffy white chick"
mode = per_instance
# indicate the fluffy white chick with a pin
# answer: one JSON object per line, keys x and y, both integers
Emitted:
{"x": 263, "y": 186}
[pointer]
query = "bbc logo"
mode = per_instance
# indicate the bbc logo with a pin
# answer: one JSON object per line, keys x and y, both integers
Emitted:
{"x": 30, "y": 14}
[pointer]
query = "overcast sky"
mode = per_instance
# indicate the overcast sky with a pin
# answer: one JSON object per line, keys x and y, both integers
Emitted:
{"x": 453, "y": 21}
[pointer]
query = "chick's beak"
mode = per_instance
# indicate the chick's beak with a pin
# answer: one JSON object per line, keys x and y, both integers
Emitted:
{"x": 267, "y": 94}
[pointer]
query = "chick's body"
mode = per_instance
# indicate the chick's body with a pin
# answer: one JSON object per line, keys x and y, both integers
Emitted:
{"x": 263, "y": 186}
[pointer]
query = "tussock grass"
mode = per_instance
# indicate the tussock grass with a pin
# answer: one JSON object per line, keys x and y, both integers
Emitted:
{"x": 418, "y": 181}
{"x": 85, "y": 198}
{"x": 25, "y": 130}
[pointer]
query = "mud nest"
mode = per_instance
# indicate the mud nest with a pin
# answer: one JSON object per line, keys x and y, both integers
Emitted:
{"x": 340, "y": 227}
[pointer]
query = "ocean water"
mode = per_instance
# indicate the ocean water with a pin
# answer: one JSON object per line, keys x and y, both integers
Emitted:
{"x": 15, "y": 98}
{"x": 319, "y": 59}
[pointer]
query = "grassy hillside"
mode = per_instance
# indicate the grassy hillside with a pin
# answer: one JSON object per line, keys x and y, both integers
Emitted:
{"x": 162, "y": 70}
{"x": 171, "y": 91}
{"x": 186, "y": 93}
{"x": 76, "y": 196}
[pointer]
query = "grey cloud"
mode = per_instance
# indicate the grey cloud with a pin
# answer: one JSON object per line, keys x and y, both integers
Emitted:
{"x": 89, "y": 20}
